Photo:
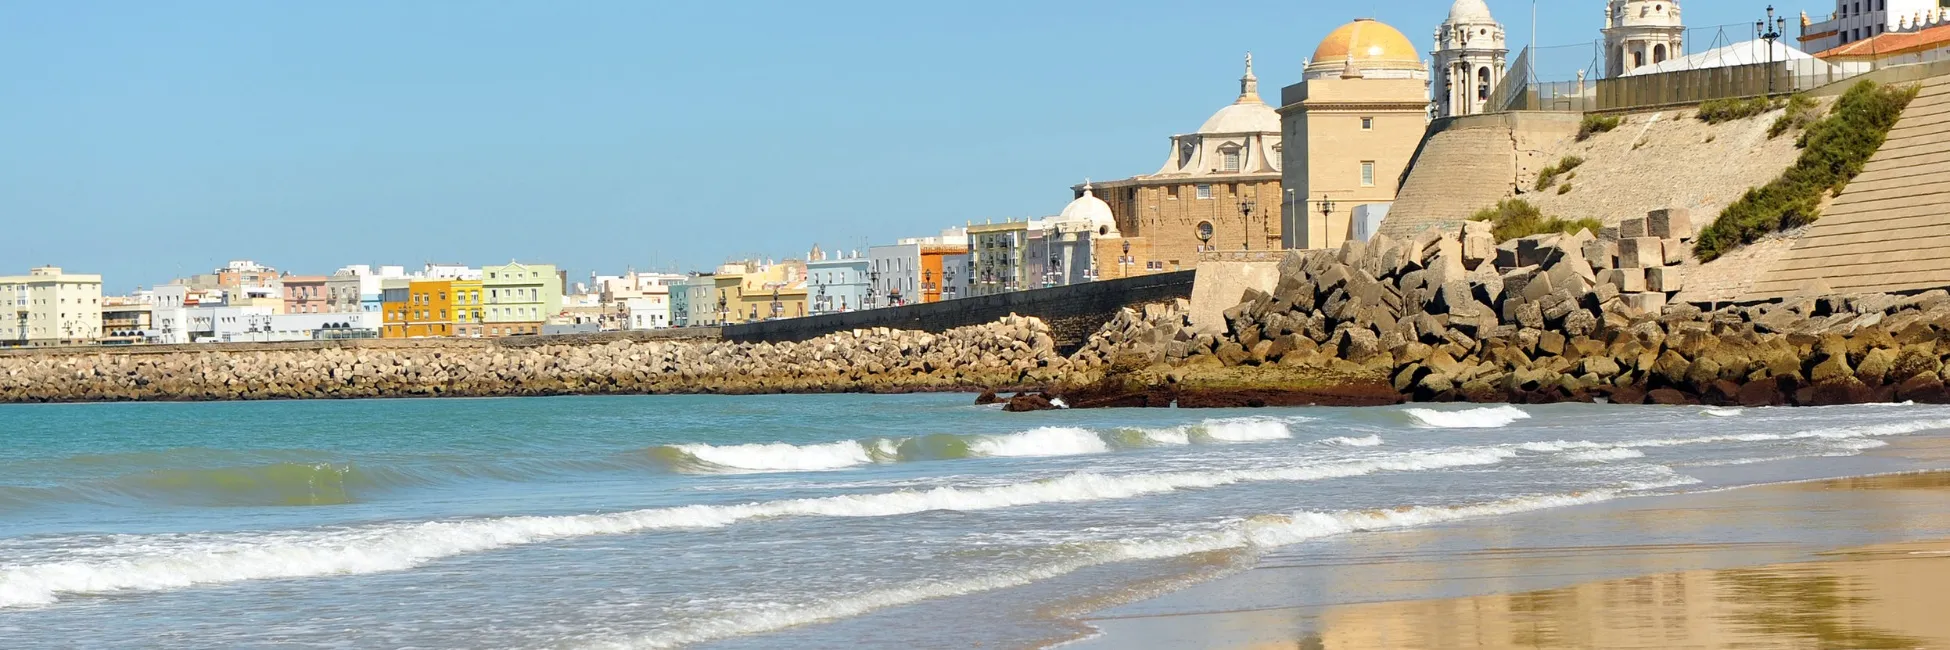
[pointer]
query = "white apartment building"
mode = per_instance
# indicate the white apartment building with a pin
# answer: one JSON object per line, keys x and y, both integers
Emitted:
{"x": 49, "y": 307}
{"x": 1855, "y": 20}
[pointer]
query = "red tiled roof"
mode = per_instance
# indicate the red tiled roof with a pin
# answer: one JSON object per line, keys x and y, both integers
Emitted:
{"x": 1891, "y": 44}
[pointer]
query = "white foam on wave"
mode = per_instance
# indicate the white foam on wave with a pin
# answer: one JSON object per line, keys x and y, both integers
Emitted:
{"x": 1840, "y": 433}
{"x": 1170, "y": 437}
{"x": 1344, "y": 441}
{"x": 1045, "y": 441}
{"x": 781, "y": 457}
{"x": 1245, "y": 430}
{"x": 1723, "y": 412}
{"x": 1253, "y": 535}
{"x": 173, "y": 564}
{"x": 1478, "y": 418}
{"x": 1603, "y": 455}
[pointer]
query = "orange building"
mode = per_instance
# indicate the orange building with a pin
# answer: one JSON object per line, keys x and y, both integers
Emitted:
{"x": 932, "y": 264}
{"x": 430, "y": 309}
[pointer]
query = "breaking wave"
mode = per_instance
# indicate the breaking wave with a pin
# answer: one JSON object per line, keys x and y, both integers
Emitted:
{"x": 1604, "y": 455}
{"x": 174, "y": 563}
{"x": 1344, "y": 441}
{"x": 1034, "y": 443}
{"x": 1253, "y": 535}
{"x": 1245, "y": 430}
{"x": 1723, "y": 412}
{"x": 1046, "y": 441}
{"x": 777, "y": 457}
{"x": 1479, "y": 418}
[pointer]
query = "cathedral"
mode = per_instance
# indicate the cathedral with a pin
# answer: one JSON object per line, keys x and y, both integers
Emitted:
{"x": 1218, "y": 190}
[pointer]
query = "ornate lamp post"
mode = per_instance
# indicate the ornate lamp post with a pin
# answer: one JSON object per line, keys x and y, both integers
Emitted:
{"x": 1326, "y": 211}
{"x": 1770, "y": 30}
{"x": 1246, "y": 205}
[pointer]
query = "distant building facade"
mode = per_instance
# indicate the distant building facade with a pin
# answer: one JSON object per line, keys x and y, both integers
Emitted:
{"x": 1859, "y": 20}
{"x": 305, "y": 294}
{"x": 520, "y": 298}
{"x": 837, "y": 283}
{"x": 50, "y": 307}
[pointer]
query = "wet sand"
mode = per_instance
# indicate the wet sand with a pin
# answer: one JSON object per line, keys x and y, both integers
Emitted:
{"x": 1856, "y": 563}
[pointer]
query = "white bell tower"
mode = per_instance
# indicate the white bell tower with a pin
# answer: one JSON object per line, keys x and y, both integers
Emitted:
{"x": 1639, "y": 33}
{"x": 1469, "y": 59}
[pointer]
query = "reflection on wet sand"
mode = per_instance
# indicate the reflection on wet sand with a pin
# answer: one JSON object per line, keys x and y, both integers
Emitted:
{"x": 1772, "y": 586}
{"x": 1890, "y": 597}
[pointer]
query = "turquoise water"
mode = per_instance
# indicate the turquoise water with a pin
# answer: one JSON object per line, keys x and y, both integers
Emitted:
{"x": 777, "y": 521}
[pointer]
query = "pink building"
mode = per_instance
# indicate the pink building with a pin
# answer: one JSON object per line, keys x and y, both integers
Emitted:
{"x": 304, "y": 294}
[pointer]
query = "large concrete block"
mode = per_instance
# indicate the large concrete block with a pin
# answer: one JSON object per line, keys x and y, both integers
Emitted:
{"x": 1641, "y": 253}
{"x": 1671, "y": 279}
{"x": 1650, "y": 302}
{"x": 1670, "y": 223}
{"x": 1477, "y": 249}
{"x": 1631, "y": 228}
{"x": 1675, "y": 251}
{"x": 1601, "y": 254}
{"x": 1626, "y": 280}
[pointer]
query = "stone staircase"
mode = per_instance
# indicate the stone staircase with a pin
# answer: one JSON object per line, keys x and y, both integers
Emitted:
{"x": 1889, "y": 231}
{"x": 1457, "y": 172}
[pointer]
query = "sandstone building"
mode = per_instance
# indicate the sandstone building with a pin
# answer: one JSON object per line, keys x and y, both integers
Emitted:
{"x": 1469, "y": 59}
{"x": 1217, "y": 191}
{"x": 1351, "y": 126}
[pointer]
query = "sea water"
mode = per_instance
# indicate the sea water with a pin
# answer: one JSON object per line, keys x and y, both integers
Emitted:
{"x": 708, "y": 521}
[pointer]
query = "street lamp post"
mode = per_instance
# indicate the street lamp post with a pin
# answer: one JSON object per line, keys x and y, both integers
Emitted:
{"x": 1246, "y": 205}
{"x": 1770, "y": 30}
{"x": 1326, "y": 210}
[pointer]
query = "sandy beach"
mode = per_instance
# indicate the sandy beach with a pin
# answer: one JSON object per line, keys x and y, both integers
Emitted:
{"x": 1840, "y": 563}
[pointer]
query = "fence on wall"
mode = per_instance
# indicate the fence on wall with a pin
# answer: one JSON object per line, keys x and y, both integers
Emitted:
{"x": 1725, "y": 64}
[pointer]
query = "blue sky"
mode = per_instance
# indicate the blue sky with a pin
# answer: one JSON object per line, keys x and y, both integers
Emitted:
{"x": 146, "y": 140}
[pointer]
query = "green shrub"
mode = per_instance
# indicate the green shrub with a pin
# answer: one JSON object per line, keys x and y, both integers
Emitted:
{"x": 1596, "y": 124}
{"x": 1517, "y": 218}
{"x": 1548, "y": 175}
{"x": 1833, "y": 151}
{"x": 1728, "y": 110}
{"x": 1564, "y": 189}
{"x": 1800, "y": 114}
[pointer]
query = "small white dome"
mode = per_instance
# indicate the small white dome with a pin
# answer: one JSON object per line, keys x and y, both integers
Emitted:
{"x": 1245, "y": 117}
{"x": 1093, "y": 210}
{"x": 1469, "y": 11}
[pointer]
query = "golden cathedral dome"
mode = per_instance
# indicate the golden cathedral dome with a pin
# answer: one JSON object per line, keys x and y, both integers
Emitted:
{"x": 1366, "y": 44}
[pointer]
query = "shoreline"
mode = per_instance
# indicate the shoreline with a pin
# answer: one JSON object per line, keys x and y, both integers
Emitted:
{"x": 1406, "y": 594}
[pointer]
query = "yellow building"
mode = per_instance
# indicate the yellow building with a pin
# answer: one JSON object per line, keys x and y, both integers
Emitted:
{"x": 469, "y": 314}
{"x": 748, "y": 292}
{"x": 1350, "y": 128}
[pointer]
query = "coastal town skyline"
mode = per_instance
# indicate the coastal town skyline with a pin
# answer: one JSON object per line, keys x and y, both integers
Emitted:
{"x": 160, "y": 146}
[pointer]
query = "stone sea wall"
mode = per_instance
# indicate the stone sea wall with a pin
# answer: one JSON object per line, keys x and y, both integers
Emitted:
{"x": 1006, "y": 353}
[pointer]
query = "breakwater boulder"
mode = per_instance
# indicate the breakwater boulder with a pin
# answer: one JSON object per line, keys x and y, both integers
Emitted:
{"x": 1560, "y": 318}
{"x": 1013, "y": 351}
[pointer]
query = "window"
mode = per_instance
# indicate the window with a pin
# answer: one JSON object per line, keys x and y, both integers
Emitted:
{"x": 1367, "y": 124}
{"x": 1367, "y": 173}
{"x": 1232, "y": 160}
{"x": 1204, "y": 191}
